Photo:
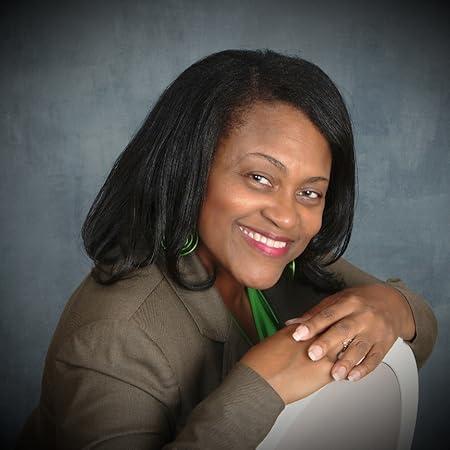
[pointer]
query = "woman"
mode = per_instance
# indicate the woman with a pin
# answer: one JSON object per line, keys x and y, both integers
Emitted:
{"x": 225, "y": 216}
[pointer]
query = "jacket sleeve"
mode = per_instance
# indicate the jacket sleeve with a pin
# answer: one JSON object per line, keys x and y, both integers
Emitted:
{"x": 115, "y": 389}
{"x": 426, "y": 325}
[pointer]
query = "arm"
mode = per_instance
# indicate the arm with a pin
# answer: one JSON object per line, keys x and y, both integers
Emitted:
{"x": 237, "y": 414}
{"x": 115, "y": 389}
{"x": 360, "y": 323}
{"x": 425, "y": 322}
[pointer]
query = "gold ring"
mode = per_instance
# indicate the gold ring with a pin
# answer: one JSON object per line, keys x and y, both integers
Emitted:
{"x": 345, "y": 344}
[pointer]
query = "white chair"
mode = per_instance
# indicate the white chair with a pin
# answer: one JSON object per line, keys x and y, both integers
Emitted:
{"x": 377, "y": 412}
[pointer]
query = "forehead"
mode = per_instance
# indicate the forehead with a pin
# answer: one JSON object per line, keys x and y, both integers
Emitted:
{"x": 279, "y": 130}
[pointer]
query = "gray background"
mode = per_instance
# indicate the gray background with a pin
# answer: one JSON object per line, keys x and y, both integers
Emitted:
{"x": 78, "y": 78}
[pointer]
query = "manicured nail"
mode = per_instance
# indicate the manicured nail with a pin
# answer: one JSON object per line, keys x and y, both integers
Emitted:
{"x": 291, "y": 321}
{"x": 354, "y": 376}
{"x": 300, "y": 319}
{"x": 315, "y": 352}
{"x": 300, "y": 333}
{"x": 339, "y": 374}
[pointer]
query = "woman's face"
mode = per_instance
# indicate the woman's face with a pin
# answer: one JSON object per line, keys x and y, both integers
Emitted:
{"x": 265, "y": 195}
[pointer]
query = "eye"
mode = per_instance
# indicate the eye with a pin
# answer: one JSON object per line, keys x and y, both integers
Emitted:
{"x": 259, "y": 179}
{"x": 309, "y": 194}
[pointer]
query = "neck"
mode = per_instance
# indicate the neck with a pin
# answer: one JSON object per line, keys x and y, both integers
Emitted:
{"x": 231, "y": 291}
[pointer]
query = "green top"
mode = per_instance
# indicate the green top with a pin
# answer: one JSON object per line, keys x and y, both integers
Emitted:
{"x": 266, "y": 322}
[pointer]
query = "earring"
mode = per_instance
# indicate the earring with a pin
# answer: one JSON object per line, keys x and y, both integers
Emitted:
{"x": 190, "y": 245}
{"x": 292, "y": 267}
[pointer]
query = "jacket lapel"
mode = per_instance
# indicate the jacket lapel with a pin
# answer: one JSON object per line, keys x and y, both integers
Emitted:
{"x": 207, "y": 309}
{"x": 288, "y": 298}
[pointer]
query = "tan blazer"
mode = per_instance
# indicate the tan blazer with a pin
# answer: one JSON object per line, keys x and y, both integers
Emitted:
{"x": 145, "y": 364}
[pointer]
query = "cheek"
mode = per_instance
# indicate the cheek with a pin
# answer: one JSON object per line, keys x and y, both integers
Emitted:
{"x": 314, "y": 222}
{"x": 220, "y": 209}
{"x": 227, "y": 201}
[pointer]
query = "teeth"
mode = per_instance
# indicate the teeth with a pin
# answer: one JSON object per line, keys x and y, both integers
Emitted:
{"x": 263, "y": 239}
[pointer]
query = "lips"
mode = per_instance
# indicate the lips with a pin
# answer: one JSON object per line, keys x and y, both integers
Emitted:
{"x": 265, "y": 243}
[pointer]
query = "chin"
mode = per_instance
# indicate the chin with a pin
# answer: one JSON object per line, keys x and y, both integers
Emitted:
{"x": 262, "y": 282}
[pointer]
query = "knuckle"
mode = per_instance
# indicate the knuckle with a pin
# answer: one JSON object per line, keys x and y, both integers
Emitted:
{"x": 371, "y": 314}
{"x": 347, "y": 364}
{"x": 383, "y": 332}
{"x": 362, "y": 346}
{"x": 327, "y": 313}
{"x": 365, "y": 315}
{"x": 353, "y": 301}
{"x": 324, "y": 343}
{"x": 343, "y": 327}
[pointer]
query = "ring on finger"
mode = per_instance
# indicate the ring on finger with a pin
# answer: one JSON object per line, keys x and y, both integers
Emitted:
{"x": 345, "y": 345}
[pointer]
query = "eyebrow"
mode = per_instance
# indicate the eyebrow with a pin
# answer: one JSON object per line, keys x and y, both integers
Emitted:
{"x": 280, "y": 165}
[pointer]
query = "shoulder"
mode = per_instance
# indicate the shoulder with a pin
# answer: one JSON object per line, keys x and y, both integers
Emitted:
{"x": 135, "y": 302}
{"x": 93, "y": 301}
{"x": 148, "y": 306}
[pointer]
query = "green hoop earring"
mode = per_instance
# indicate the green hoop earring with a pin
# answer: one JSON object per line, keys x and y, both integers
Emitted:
{"x": 292, "y": 267}
{"x": 190, "y": 245}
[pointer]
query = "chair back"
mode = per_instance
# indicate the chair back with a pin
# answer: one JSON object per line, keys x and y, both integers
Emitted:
{"x": 377, "y": 412}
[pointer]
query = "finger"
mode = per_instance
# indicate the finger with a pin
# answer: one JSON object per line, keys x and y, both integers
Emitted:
{"x": 331, "y": 340}
{"x": 327, "y": 301}
{"x": 370, "y": 362}
{"x": 322, "y": 320}
{"x": 324, "y": 303}
{"x": 299, "y": 319}
{"x": 347, "y": 360}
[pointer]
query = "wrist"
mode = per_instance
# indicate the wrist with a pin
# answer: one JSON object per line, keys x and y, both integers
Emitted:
{"x": 406, "y": 327}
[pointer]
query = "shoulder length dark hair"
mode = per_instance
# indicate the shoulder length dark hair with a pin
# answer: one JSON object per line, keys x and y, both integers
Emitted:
{"x": 151, "y": 200}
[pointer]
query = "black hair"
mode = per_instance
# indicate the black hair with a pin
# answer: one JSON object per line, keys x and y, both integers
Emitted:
{"x": 151, "y": 200}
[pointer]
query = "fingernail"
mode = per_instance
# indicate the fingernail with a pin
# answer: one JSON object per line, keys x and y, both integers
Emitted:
{"x": 354, "y": 376}
{"x": 339, "y": 374}
{"x": 315, "y": 352}
{"x": 296, "y": 320}
{"x": 291, "y": 321}
{"x": 300, "y": 333}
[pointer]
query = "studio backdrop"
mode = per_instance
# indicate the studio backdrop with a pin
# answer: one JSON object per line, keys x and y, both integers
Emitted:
{"x": 78, "y": 79}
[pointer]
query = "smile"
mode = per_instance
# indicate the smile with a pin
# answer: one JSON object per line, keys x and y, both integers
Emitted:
{"x": 267, "y": 245}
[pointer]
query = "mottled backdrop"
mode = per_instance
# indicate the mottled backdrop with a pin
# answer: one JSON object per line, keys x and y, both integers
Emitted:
{"x": 78, "y": 78}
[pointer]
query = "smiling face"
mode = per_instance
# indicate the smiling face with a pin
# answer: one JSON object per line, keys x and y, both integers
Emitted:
{"x": 265, "y": 195}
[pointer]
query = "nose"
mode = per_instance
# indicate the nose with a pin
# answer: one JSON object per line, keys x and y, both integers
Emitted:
{"x": 283, "y": 211}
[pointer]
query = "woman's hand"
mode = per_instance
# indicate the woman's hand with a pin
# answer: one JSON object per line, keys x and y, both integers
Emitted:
{"x": 285, "y": 365}
{"x": 365, "y": 321}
